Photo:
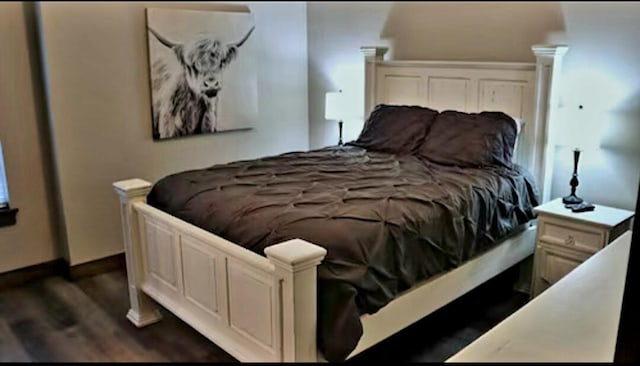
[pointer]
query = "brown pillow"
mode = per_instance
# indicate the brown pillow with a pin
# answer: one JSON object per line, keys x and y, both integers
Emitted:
{"x": 396, "y": 129}
{"x": 471, "y": 139}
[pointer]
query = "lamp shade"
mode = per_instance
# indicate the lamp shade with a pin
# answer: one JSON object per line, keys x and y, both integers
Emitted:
{"x": 334, "y": 107}
{"x": 580, "y": 129}
{"x": 342, "y": 106}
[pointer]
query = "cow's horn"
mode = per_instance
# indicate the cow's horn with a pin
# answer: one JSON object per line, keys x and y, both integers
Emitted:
{"x": 162, "y": 39}
{"x": 244, "y": 39}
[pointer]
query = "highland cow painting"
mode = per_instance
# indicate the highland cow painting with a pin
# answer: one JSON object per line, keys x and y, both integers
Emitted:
{"x": 203, "y": 72}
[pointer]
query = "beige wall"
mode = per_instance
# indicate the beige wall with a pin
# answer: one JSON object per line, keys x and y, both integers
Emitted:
{"x": 23, "y": 133}
{"x": 96, "y": 56}
{"x": 603, "y": 49}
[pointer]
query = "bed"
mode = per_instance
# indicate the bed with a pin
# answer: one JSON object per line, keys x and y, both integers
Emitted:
{"x": 264, "y": 307}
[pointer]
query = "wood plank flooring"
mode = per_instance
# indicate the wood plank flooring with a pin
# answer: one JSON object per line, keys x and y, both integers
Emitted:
{"x": 54, "y": 320}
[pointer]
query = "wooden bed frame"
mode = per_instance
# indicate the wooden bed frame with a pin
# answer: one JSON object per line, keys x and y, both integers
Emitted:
{"x": 264, "y": 308}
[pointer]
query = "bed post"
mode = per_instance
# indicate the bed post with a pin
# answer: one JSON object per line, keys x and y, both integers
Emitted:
{"x": 548, "y": 68}
{"x": 143, "y": 310}
{"x": 371, "y": 56}
{"x": 295, "y": 262}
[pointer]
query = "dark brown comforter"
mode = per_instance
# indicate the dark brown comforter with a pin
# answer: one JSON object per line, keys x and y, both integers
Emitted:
{"x": 386, "y": 221}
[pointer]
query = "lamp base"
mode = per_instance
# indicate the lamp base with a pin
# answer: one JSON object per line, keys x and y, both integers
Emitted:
{"x": 571, "y": 199}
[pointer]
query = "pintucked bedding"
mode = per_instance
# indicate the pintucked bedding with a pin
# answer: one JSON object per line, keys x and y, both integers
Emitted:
{"x": 387, "y": 221}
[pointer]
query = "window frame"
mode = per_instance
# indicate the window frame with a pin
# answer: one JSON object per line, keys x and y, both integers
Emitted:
{"x": 7, "y": 214}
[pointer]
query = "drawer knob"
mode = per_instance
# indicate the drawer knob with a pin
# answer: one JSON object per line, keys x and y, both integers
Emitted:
{"x": 570, "y": 240}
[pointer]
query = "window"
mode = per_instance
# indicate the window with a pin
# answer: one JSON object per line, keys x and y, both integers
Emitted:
{"x": 7, "y": 214}
{"x": 4, "y": 192}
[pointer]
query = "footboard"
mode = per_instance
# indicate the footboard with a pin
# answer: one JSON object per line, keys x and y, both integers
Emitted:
{"x": 256, "y": 308}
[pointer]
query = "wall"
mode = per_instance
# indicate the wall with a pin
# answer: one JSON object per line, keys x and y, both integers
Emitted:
{"x": 23, "y": 133}
{"x": 336, "y": 31}
{"x": 601, "y": 73}
{"x": 603, "y": 49}
{"x": 98, "y": 83}
{"x": 99, "y": 98}
{"x": 420, "y": 30}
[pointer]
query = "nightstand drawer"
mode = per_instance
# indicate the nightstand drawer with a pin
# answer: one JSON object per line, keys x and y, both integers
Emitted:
{"x": 555, "y": 267}
{"x": 555, "y": 262}
{"x": 580, "y": 237}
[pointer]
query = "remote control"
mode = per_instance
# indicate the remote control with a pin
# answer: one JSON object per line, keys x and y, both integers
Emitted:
{"x": 583, "y": 207}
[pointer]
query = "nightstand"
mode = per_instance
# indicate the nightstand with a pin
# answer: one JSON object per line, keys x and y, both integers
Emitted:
{"x": 566, "y": 239}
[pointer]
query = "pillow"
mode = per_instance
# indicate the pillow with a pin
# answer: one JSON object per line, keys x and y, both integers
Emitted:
{"x": 471, "y": 139}
{"x": 396, "y": 129}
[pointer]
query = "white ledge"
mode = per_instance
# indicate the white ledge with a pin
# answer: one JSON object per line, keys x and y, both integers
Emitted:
{"x": 575, "y": 320}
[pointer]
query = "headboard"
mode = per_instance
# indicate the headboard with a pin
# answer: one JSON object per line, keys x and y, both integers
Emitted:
{"x": 528, "y": 92}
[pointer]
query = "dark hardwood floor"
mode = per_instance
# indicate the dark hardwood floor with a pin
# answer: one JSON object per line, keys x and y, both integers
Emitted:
{"x": 54, "y": 320}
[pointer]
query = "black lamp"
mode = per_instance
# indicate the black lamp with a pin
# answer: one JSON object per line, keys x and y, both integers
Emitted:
{"x": 572, "y": 199}
{"x": 580, "y": 131}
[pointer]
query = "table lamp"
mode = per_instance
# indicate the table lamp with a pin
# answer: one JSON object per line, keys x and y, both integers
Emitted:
{"x": 579, "y": 131}
{"x": 335, "y": 109}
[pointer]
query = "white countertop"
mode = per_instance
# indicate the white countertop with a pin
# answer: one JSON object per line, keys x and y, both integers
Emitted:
{"x": 575, "y": 320}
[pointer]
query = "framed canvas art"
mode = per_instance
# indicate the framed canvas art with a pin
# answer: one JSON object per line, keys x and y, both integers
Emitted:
{"x": 203, "y": 72}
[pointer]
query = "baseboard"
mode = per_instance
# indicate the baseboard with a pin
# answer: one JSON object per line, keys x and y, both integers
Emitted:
{"x": 21, "y": 276}
{"x": 60, "y": 267}
{"x": 95, "y": 267}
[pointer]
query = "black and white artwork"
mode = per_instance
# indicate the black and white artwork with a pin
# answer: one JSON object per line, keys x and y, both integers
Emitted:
{"x": 203, "y": 72}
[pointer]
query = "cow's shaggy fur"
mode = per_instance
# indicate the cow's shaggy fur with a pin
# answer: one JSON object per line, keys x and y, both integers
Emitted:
{"x": 185, "y": 90}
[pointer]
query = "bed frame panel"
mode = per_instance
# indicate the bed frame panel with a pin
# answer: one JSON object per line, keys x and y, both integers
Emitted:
{"x": 438, "y": 291}
{"x": 264, "y": 308}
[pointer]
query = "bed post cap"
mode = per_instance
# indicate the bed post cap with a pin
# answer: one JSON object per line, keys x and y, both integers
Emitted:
{"x": 374, "y": 51}
{"x": 132, "y": 187}
{"x": 549, "y": 49}
{"x": 296, "y": 254}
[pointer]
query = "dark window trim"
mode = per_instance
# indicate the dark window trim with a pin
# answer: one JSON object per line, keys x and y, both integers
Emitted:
{"x": 8, "y": 216}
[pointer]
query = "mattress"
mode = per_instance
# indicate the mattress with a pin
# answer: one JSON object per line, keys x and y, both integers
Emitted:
{"x": 387, "y": 221}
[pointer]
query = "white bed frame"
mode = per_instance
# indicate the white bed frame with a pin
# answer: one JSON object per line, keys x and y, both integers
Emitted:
{"x": 264, "y": 308}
